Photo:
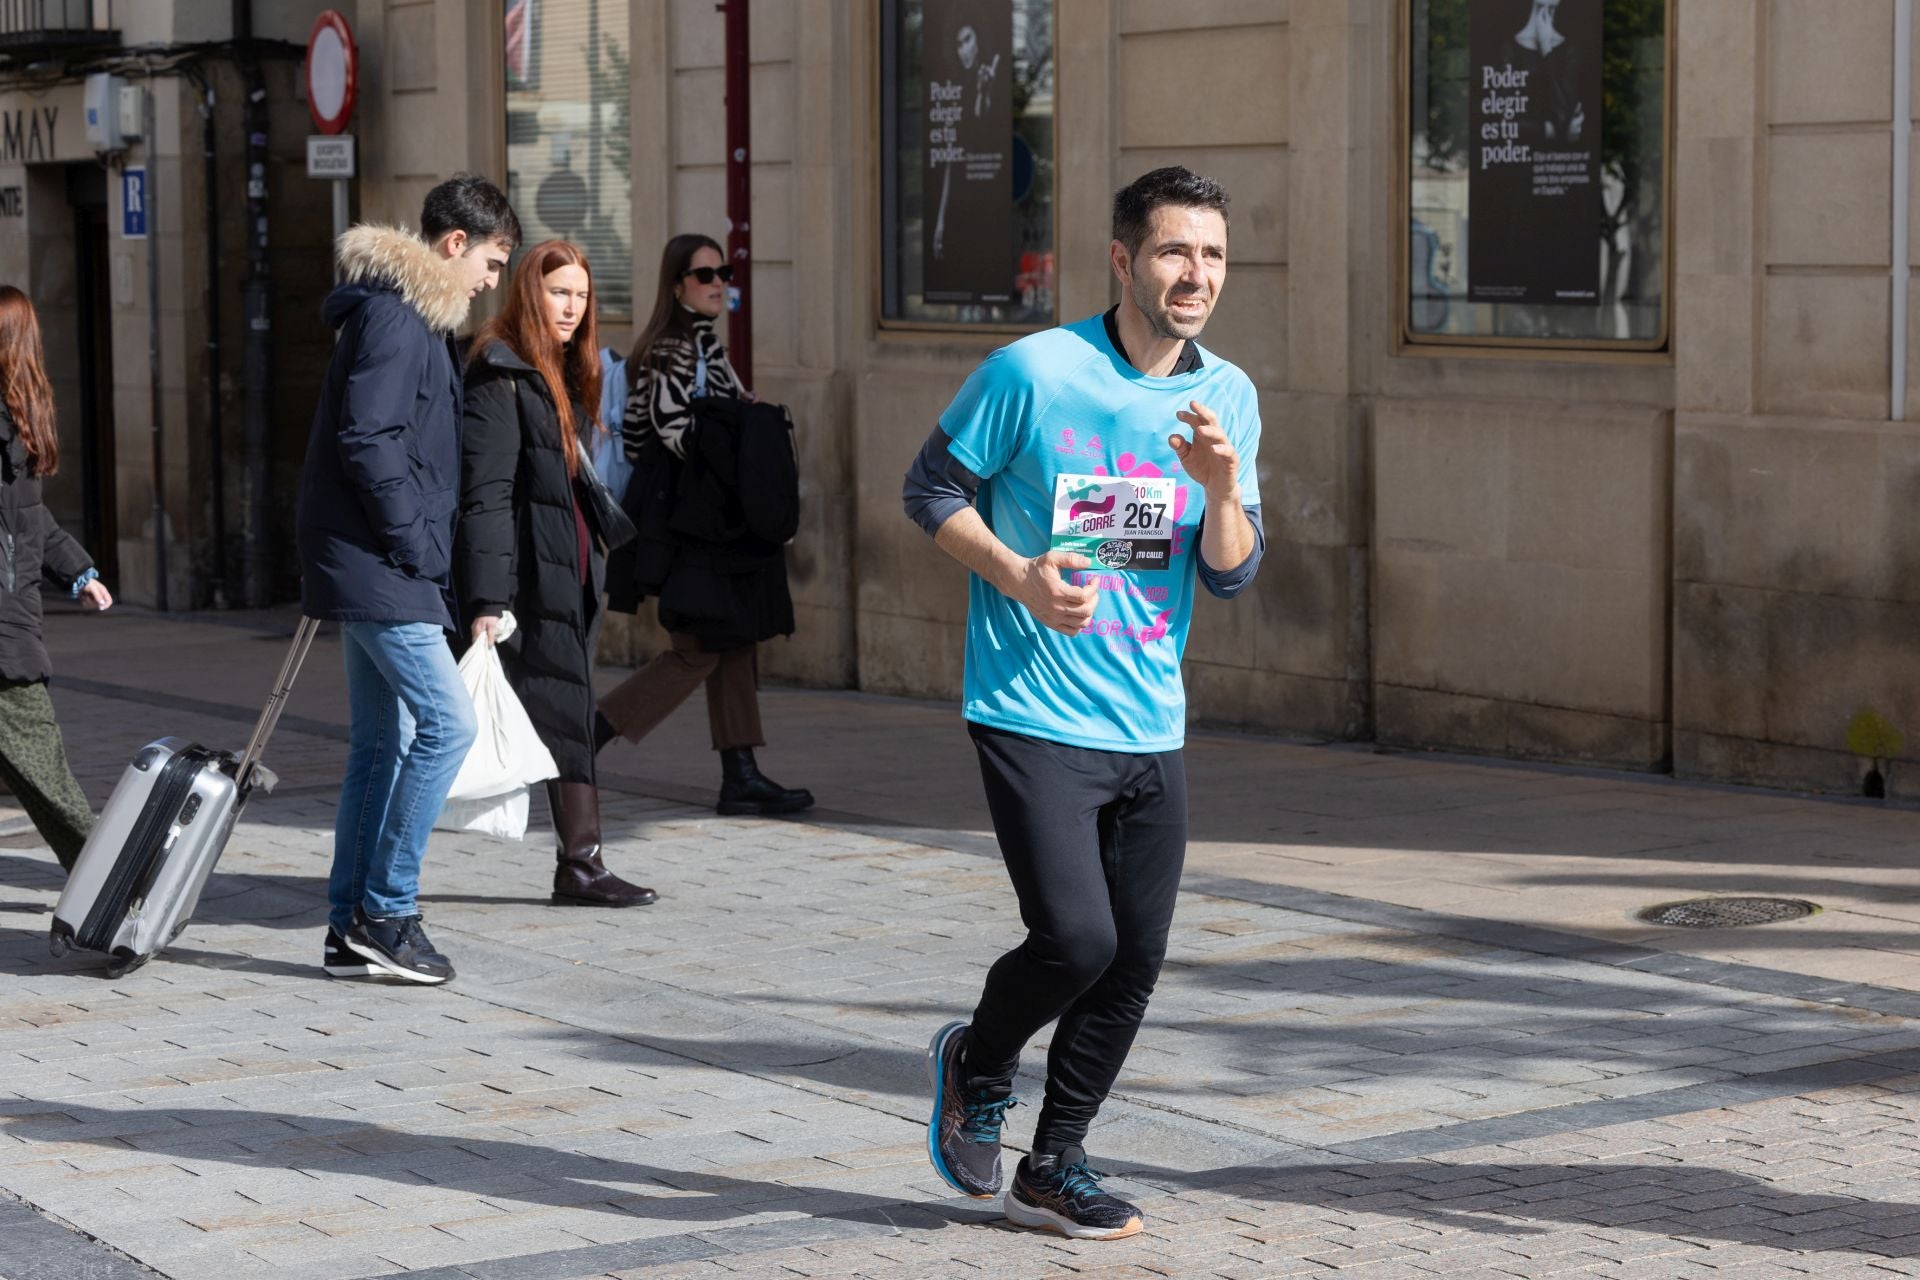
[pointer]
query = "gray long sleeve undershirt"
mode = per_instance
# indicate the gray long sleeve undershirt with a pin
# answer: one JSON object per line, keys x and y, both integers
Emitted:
{"x": 939, "y": 484}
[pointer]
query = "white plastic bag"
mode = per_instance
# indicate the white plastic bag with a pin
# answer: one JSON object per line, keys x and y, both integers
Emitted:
{"x": 502, "y": 817}
{"x": 490, "y": 794}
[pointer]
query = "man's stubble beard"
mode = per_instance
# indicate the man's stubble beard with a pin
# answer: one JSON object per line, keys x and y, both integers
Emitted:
{"x": 1159, "y": 319}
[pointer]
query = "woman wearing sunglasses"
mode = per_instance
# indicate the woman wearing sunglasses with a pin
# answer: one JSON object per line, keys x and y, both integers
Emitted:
{"x": 715, "y": 603}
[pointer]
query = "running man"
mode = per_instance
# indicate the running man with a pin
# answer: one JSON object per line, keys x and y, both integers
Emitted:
{"x": 1087, "y": 476}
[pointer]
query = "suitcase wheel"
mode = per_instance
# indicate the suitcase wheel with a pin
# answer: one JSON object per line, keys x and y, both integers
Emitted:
{"x": 121, "y": 963}
{"x": 57, "y": 943}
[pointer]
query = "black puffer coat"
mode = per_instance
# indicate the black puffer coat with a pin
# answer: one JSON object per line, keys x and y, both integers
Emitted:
{"x": 517, "y": 547}
{"x": 32, "y": 546}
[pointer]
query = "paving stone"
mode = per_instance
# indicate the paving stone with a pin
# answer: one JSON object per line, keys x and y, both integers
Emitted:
{"x": 1321, "y": 1079}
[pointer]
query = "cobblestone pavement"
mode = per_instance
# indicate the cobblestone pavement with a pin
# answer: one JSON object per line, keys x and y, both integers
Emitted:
{"x": 731, "y": 1082}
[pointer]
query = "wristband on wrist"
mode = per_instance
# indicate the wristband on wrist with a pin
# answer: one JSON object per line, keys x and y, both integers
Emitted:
{"x": 80, "y": 583}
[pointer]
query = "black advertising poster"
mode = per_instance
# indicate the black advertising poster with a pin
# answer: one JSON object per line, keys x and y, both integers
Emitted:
{"x": 1533, "y": 184}
{"x": 966, "y": 59}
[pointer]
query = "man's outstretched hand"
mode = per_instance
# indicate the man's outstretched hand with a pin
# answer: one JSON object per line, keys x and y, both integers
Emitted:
{"x": 1209, "y": 458}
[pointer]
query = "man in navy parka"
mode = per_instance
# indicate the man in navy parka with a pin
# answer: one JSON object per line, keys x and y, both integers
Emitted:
{"x": 377, "y": 497}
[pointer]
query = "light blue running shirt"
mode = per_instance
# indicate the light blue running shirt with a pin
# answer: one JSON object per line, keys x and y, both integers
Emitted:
{"x": 1065, "y": 403}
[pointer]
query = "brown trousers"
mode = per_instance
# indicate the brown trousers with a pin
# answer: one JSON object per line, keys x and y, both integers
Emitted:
{"x": 640, "y": 702}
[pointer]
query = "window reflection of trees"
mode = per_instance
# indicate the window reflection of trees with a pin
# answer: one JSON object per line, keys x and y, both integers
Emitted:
{"x": 569, "y": 133}
{"x": 1632, "y": 229}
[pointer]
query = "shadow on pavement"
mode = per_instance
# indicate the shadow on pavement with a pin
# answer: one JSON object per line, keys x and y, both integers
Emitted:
{"x": 1477, "y": 1028}
{"x": 523, "y": 1172}
{"x": 848, "y": 1065}
{"x": 1678, "y": 1200}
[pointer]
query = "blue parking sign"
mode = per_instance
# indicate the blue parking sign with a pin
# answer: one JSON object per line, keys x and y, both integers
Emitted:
{"x": 133, "y": 204}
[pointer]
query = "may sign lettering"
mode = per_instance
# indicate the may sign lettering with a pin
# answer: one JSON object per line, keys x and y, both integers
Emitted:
{"x": 27, "y": 135}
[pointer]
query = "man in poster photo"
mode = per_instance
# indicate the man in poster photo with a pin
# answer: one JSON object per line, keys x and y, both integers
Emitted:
{"x": 967, "y": 50}
{"x": 968, "y": 241}
{"x": 1541, "y": 48}
{"x": 1533, "y": 172}
{"x": 984, "y": 70}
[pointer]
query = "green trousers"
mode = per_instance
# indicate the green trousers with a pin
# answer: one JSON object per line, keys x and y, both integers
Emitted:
{"x": 33, "y": 761}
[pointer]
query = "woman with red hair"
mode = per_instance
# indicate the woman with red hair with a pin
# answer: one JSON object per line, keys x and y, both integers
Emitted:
{"x": 529, "y": 537}
{"x": 33, "y": 760}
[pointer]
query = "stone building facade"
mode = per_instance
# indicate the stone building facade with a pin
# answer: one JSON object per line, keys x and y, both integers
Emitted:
{"x": 1699, "y": 553}
{"x": 74, "y": 237}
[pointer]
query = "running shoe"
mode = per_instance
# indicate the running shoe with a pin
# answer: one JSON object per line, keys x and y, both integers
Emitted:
{"x": 1060, "y": 1193}
{"x": 963, "y": 1137}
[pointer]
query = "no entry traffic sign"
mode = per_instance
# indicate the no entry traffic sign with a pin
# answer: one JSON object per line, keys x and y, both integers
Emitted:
{"x": 332, "y": 72}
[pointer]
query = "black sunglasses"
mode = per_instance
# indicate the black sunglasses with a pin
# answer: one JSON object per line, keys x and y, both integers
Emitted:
{"x": 705, "y": 275}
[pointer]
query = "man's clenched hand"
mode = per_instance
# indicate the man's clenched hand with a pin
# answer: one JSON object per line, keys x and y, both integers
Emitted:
{"x": 1041, "y": 586}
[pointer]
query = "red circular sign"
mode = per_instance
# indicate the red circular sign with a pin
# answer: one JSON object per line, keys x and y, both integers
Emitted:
{"x": 333, "y": 67}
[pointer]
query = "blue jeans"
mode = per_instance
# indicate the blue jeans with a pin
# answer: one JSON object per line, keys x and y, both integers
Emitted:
{"x": 412, "y": 724}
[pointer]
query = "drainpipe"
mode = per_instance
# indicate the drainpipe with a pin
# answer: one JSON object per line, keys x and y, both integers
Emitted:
{"x": 739, "y": 191}
{"x": 257, "y": 367}
{"x": 1902, "y": 194}
{"x": 153, "y": 359}
{"x": 210, "y": 166}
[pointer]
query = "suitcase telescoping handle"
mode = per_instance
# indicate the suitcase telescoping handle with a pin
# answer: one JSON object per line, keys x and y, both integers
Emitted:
{"x": 276, "y": 703}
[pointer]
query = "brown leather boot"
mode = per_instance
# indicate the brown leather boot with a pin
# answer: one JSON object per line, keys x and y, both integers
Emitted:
{"x": 581, "y": 879}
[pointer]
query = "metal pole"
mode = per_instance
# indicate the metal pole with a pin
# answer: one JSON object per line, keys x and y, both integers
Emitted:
{"x": 1902, "y": 195}
{"x": 153, "y": 359}
{"x": 339, "y": 221}
{"x": 216, "y": 435}
{"x": 257, "y": 366}
{"x": 739, "y": 189}
{"x": 594, "y": 144}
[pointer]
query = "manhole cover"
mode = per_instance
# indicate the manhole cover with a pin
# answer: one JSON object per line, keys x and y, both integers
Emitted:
{"x": 1726, "y": 913}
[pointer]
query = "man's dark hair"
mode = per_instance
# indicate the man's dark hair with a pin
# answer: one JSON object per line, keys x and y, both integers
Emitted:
{"x": 1133, "y": 204}
{"x": 468, "y": 202}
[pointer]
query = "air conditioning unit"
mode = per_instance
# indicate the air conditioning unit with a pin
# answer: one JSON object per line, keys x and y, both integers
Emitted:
{"x": 113, "y": 110}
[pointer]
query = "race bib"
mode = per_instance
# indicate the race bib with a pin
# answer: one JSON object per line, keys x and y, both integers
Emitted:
{"x": 1117, "y": 522}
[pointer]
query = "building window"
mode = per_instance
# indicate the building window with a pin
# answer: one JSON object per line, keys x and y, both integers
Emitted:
{"x": 569, "y": 118}
{"x": 967, "y": 162}
{"x": 1538, "y": 173}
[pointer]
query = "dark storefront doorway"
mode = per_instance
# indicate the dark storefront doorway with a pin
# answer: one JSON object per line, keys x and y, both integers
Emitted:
{"x": 87, "y": 193}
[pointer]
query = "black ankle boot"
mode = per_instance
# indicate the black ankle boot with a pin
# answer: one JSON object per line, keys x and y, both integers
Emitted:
{"x": 580, "y": 878}
{"x": 744, "y": 790}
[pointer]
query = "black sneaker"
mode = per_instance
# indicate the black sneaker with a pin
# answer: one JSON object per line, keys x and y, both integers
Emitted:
{"x": 340, "y": 961}
{"x": 399, "y": 946}
{"x": 1060, "y": 1193}
{"x": 963, "y": 1137}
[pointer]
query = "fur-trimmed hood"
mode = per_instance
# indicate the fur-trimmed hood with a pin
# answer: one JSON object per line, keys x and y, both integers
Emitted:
{"x": 374, "y": 257}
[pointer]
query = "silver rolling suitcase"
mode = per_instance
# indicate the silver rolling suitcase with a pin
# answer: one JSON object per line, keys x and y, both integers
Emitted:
{"x": 138, "y": 880}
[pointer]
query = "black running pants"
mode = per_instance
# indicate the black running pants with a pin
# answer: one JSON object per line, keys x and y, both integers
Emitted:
{"x": 1094, "y": 842}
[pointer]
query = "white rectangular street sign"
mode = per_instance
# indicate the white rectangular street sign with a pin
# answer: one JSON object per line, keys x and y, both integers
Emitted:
{"x": 330, "y": 157}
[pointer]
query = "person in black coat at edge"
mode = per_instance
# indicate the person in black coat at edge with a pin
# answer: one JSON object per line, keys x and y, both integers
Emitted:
{"x": 33, "y": 760}
{"x": 528, "y": 538}
{"x": 717, "y": 602}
